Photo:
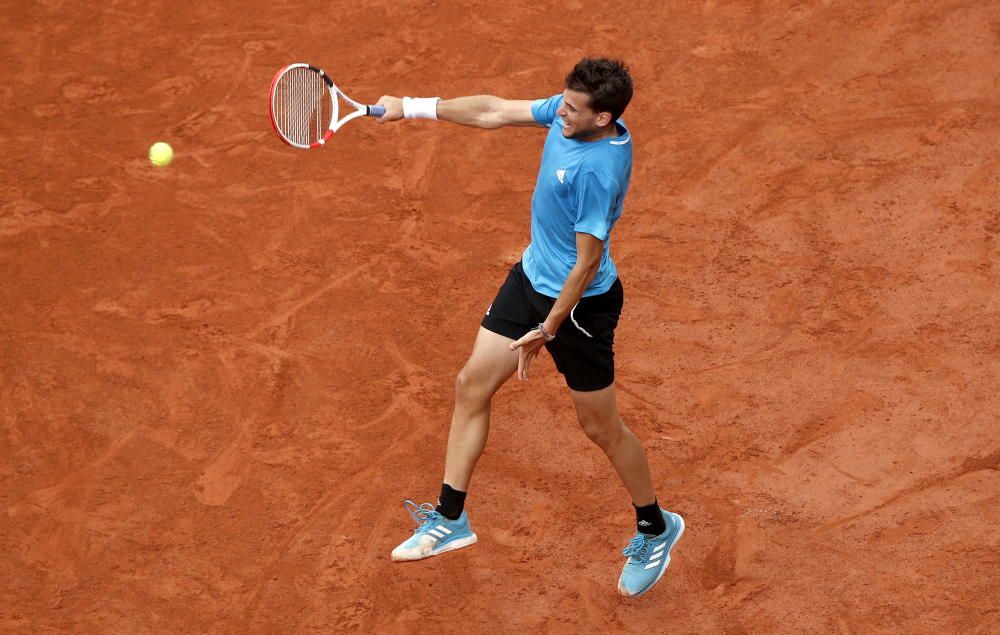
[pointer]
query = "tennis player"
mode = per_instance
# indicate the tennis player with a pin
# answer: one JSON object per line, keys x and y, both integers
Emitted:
{"x": 564, "y": 295}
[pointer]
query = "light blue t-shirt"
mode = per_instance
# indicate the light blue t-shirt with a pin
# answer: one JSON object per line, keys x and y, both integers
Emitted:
{"x": 580, "y": 188}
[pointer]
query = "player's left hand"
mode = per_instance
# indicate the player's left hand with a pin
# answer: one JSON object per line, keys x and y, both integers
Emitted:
{"x": 527, "y": 347}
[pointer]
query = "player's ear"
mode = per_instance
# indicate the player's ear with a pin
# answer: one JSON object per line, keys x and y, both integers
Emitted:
{"x": 603, "y": 118}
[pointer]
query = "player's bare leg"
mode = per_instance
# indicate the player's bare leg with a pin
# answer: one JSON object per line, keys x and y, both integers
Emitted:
{"x": 446, "y": 527}
{"x": 657, "y": 529}
{"x": 597, "y": 412}
{"x": 489, "y": 366}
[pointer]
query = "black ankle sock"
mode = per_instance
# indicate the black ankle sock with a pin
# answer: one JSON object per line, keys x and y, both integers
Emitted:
{"x": 649, "y": 519}
{"x": 451, "y": 502}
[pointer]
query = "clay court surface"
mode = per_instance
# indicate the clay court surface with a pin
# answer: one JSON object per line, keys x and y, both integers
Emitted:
{"x": 219, "y": 380}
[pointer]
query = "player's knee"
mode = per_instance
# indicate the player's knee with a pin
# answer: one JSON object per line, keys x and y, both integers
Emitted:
{"x": 462, "y": 381}
{"x": 605, "y": 432}
{"x": 468, "y": 388}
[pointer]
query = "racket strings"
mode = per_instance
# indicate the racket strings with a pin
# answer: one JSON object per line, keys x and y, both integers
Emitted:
{"x": 302, "y": 107}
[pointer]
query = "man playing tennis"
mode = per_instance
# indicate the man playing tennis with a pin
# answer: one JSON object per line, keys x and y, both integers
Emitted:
{"x": 564, "y": 295}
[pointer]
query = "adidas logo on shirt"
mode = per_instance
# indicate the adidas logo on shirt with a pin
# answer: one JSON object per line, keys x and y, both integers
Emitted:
{"x": 561, "y": 175}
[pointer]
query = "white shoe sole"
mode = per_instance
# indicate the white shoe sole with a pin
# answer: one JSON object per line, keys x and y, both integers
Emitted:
{"x": 420, "y": 554}
{"x": 666, "y": 562}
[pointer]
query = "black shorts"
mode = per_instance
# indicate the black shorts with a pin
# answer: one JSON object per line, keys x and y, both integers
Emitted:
{"x": 583, "y": 349}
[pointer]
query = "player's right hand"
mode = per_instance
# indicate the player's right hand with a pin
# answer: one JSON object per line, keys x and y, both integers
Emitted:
{"x": 527, "y": 348}
{"x": 393, "y": 108}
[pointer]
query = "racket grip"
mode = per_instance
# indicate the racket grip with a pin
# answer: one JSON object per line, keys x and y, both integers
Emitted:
{"x": 376, "y": 111}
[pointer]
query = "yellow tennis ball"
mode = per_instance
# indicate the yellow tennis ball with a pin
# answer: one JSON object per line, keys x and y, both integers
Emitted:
{"x": 161, "y": 154}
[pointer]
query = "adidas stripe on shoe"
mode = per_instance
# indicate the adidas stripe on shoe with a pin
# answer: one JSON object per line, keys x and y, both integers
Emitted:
{"x": 648, "y": 557}
{"x": 434, "y": 533}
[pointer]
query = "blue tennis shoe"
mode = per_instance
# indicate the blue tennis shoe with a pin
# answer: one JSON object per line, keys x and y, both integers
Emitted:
{"x": 434, "y": 533}
{"x": 648, "y": 557}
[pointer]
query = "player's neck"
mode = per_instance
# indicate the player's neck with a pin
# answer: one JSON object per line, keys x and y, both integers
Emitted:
{"x": 604, "y": 133}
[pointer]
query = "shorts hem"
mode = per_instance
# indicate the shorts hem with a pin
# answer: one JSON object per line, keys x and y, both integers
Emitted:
{"x": 590, "y": 387}
{"x": 504, "y": 328}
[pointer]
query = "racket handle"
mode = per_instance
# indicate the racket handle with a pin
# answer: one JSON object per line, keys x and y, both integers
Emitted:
{"x": 376, "y": 111}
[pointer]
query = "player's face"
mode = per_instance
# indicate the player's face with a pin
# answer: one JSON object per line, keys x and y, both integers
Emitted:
{"x": 579, "y": 120}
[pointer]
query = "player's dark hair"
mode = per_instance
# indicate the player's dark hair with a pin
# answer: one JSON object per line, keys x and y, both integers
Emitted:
{"x": 606, "y": 81}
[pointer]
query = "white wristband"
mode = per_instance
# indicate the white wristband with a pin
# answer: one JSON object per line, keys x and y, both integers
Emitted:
{"x": 420, "y": 107}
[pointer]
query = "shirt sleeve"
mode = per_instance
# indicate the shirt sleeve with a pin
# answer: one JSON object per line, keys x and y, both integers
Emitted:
{"x": 544, "y": 110}
{"x": 596, "y": 198}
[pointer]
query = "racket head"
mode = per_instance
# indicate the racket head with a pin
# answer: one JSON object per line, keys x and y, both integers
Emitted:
{"x": 302, "y": 105}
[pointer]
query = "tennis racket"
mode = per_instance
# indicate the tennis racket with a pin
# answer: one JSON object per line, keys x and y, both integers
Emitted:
{"x": 305, "y": 107}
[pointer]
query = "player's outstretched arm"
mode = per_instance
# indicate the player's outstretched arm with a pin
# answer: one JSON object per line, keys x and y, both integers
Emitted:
{"x": 480, "y": 111}
{"x": 487, "y": 111}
